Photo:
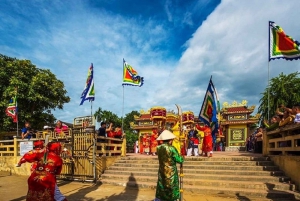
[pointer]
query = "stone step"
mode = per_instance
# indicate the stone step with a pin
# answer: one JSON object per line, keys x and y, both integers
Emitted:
{"x": 203, "y": 182}
{"x": 200, "y": 166}
{"x": 238, "y": 192}
{"x": 202, "y": 171}
{"x": 195, "y": 175}
{"x": 200, "y": 158}
{"x": 231, "y": 163}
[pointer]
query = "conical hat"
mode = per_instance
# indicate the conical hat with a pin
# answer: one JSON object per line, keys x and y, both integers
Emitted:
{"x": 166, "y": 135}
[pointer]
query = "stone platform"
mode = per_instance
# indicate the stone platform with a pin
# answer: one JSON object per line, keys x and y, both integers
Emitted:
{"x": 226, "y": 173}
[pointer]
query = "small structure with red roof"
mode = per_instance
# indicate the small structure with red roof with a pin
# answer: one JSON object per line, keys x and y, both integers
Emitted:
{"x": 236, "y": 121}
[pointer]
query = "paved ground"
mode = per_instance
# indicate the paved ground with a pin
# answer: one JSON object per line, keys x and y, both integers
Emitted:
{"x": 14, "y": 188}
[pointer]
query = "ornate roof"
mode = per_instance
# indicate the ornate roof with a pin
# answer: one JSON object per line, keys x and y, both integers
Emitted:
{"x": 237, "y": 108}
{"x": 142, "y": 117}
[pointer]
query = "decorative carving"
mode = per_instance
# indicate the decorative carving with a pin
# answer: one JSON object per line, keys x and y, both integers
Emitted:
{"x": 132, "y": 124}
{"x": 252, "y": 107}
{"x": 237, "y": 135}
{"x": 244, "y": 102}
{"x": 257, "y": 116}
{"x": 235, "y": 104}
{"x": 135, "y": 117}
{"x": 225, "y": 105}
{"x": 237, "y": 117}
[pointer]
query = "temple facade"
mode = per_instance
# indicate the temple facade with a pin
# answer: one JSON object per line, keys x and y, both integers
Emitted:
{"x": 155, "y": 120}
{"x": 236, "y": 123}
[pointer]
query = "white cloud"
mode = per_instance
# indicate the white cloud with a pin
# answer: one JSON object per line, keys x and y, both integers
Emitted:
{"x": 232, "y": 46}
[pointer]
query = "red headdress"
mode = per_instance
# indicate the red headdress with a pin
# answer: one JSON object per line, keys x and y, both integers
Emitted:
{"x": 38, "y": 144}
{"x": 54, "y": 147}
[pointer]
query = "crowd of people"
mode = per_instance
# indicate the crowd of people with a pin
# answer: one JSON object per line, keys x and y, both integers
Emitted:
{"x": 60, "y": 129}
{"x": 190, "y": 143}
{"x": 284, "y": 116}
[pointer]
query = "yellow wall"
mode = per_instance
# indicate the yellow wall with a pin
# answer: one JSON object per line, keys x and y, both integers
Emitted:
{"x": 290, "y": 165}
{"x": 8, "y": 164}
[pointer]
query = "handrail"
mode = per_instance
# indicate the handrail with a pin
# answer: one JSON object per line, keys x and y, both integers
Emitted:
{"x": 282, "y": 141}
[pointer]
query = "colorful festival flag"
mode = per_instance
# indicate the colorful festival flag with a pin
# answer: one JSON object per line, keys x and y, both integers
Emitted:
{"x": 89, "y": 92}
{"x": 12, "y": 109}
{"x": 209, "y": 110}
{"x": 130, "y": 76}
{"x": 282, "y": 45}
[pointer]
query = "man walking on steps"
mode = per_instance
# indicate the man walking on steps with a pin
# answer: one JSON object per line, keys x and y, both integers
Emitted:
{"x": 167, "y": 188}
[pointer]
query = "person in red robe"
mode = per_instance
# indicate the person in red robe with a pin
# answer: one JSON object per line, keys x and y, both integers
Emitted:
{"x": 146, "y": 144}
{"x": 42, "y": 181}
{"x": 154, "y": 142}
{"x": 207, "y": 144}
{"x": 38, "y": 148}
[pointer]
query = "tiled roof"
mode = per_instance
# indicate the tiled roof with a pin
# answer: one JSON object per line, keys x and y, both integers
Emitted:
{"x": 234, "y": 110}
{"x": 144, "y": 117}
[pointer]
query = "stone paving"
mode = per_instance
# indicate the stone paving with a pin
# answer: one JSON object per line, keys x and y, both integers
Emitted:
{"x": 14, "y": 188}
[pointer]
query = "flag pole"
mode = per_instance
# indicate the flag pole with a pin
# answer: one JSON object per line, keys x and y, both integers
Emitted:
{"x": 123, "y": 112}
{"x": 17, "y": 113}
{"x": 268, "y": 90}
{"x": 269, "y": 71}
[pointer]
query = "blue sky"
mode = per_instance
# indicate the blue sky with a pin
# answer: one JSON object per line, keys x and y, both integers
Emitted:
{"x": 175, "y": 45}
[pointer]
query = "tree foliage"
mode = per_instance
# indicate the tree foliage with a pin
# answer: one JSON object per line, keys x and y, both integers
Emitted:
{"x": 38, "y": 92}
{"x": 284, "y": 89}
{"x": 130, "y": 118}
{"x": 109, "y": 117}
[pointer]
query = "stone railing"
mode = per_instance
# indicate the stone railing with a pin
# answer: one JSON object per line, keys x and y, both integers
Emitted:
{"x": 282, "y": 141}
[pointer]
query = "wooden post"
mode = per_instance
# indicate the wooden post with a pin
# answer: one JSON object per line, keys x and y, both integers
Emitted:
{"x": 124, "y": 147}
{"x": 15, "y": 148}
{"x": 265, "y": 142}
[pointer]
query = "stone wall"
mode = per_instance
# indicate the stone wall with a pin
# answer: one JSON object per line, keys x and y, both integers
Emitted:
{"x": 291, "y": 167}
{"x": 8, "y": 164}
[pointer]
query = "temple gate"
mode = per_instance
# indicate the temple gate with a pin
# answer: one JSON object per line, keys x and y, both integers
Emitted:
{"x": 236, "y": 122}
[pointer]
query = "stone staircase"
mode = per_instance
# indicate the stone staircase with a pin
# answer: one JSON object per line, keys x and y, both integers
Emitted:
{"x": 243, "y": 176}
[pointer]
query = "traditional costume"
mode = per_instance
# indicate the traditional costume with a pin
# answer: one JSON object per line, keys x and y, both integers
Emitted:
{"x": 193, "y": 143}
{"x": 154, "y": 142}
{"x": 146, "y": 144}
{"x": 176, "y": 132}
{"x": 167, "y": 188}
{"x": 207, "y": 143}
{"x": 42, "y": 181}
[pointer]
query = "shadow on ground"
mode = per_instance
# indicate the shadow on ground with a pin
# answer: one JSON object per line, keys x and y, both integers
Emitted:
{"x": 129, "y": 193}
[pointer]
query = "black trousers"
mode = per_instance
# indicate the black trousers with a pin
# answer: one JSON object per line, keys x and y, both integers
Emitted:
{"x": 258, "y": 147}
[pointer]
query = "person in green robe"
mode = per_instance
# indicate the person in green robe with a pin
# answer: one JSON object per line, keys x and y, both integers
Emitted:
{"x": 167, "y": 188}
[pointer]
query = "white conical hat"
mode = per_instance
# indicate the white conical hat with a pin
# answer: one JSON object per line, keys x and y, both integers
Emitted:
{"x": 166, "y": 135}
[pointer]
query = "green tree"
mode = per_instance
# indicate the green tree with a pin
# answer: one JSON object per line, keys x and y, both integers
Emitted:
{"x": 283, "y": 89}
{"x": 107, "y": 116}
{"x": 131, "y": 138}
{"x": 38, "y": 92}
{"x": 129, "y": 117}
